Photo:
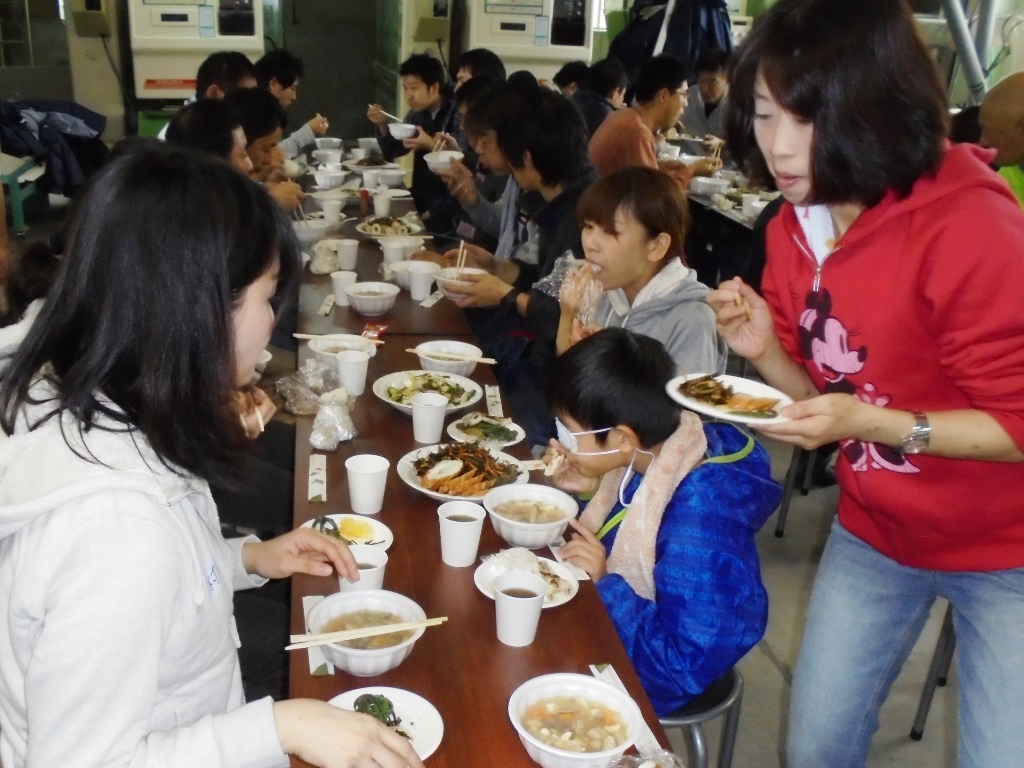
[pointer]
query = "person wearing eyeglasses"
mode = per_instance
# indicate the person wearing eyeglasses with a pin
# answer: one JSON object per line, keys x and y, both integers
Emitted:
{"x": 668, "y": 537}
{"x": 628, "y": 137}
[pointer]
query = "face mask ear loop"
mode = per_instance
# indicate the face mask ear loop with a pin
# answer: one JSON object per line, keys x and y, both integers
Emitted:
{"x": 629, "y": 476}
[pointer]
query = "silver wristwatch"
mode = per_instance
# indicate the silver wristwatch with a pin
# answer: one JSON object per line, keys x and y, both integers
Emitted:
{"x": 917, "y": 439}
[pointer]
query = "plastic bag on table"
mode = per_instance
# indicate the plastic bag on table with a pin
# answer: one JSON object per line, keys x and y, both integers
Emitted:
{"x": 301, "y": 390}
{"x": 325, "y": 258}
{"x": 333, "y": 422}
{"x": 660, "y": 759}
{"x": 581, "y": 291}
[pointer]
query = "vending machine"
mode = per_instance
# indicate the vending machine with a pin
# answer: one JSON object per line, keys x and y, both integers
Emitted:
{"x": 169, "y": 39}
{"x": 537, "y": 35}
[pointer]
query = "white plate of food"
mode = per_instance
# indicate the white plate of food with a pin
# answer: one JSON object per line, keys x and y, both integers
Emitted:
{"x": 419, "y": 720}
{"x": 478, "y": 427}
{"x": 397, "y": 389}
{"x": 459, "y": 471}
{"x": 354, "y": 529}
{"x": 562, "y": 585}
{"x": 729, "y": 398}
{"x": 387, "y": 226}
{"x": 358, "y": 166}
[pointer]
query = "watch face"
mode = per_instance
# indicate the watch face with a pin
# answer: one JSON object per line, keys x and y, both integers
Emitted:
{"x": 914, "y": 445}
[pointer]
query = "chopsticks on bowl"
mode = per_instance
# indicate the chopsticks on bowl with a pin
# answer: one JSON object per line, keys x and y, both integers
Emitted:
{"x": 454, "y": 356}
{"x": 388, "y": 114}
{"x": 310, "y": 336}
{"x": 308, "y": 641}
{"x": 460, "y": 260}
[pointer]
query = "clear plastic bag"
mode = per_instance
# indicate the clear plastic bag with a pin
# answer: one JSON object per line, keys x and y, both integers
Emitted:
{"x": 333, "y": 422}
{"x": 301, "y": 390}
{"x": 325, "y": 257}
{"x": 581, "y": 291}
{"x": 552, "y": 283}
{"x": 660, "y": 759}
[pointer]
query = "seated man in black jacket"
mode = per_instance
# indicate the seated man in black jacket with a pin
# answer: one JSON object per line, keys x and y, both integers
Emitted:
{"x": 432, "y": 111}
{"x": 546, "y": 147}
{"x": 602, "y": 92}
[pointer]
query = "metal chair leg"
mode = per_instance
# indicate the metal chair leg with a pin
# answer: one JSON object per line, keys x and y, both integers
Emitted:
{"x": 730, "y": 727}
{"x": 700, "y": 746}
{"x": 805, "y": 484}
{"x": 937, "y": 671}
{"x": 787, "y": 492}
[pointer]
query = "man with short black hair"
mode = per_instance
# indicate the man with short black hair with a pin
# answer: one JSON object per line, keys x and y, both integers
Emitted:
{"x": 602, "y": 93}
{"x": 478, "y": 62}
{"x": 704, "y": 115}
{"x": 263, "y": 121}
{"x": 220, "y": 74}
{"x": 431, "y": 110}
{"x": 571, "y": 77}
{"x": 213, "y": 126}
{"x": 279, "y": 71}
{"x": 627, "y": 138}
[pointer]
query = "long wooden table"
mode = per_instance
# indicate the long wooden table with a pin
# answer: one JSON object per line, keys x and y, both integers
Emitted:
{"x": 460, "y": 667}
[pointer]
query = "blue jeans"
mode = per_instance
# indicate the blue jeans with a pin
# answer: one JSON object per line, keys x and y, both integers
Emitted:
{"x": 865, "y": 615}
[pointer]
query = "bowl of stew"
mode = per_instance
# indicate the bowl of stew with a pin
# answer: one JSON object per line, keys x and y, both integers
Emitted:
{"x": 368, "y": 656}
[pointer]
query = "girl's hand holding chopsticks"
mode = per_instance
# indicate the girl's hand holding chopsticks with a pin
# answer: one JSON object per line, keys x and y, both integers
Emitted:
{"x": 255, "y": 410}
{"x": 300, "y": 551}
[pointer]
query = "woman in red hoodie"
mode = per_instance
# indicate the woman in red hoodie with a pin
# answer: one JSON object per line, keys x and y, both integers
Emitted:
{"x": 891, "y": 314}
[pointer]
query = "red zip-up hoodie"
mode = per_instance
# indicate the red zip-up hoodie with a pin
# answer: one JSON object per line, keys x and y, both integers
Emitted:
{"x": 918, "y": 308}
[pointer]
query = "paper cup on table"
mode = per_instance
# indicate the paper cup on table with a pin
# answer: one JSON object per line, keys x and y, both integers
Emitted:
{"x": 352, "y": 370}
{"x": 367, "y": 476}
{"x": 358, "y": 154}
{"x": 428, "y": 411}
{"x": 381, "y": 204}
{"x": 371, "y": 561}
{"x": 421, "y": 279}
{"x": 338, "y": 282}
{"x": 393, "y": 253}
{"x": 461, "y": 525}
{"x": 370, "y": 179}
{"x": 347, "y": 252}
{"x": 748, "y": 205}
{"x": 331, "y": 209}
{"x": 518, "y": 599}
{"x": 670, "y": 152}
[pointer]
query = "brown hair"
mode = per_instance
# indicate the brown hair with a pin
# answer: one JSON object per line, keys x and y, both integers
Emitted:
{"x": 649, "y": 196}
{"x": 859, "y": 73}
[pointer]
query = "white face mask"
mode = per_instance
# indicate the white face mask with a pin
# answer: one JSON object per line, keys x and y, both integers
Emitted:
{"x": 568, "y": 439}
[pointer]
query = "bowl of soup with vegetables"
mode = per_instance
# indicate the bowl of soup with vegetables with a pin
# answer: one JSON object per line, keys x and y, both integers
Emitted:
{"x": 568, "y": 720}
{"x": 366, "y": 656}
{"x": 529, "y": 515}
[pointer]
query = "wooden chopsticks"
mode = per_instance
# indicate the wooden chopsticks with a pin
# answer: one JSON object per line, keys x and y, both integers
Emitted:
{"x": 308, "y": 641}
{"x": 454, "y": 356}
{"x": 460, "y": 260}
{"x": 388, "y": 114}
{"x": 346, "y": 336}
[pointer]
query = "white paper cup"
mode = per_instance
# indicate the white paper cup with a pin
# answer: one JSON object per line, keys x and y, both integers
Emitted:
{"x": 393, "y": 253}
{"x": 370, "y": 179}
{"x": 517, "y": 615}
{"x": 331, "y": 209}
{"x": 338, "y": 282}
{"x": 347, "y": 251}
{"x": 371, "y": 561}
{"x": 428, "y": 412}
{"x": 461, "y": 525}
{"x": 358, "y": 154}
{"x": 381, "y": 204}
{"x": 367, "y": 476}
{"x": 421, "y": 279}
{"x": 352, "y": 370}
{"x": 748, "y": 205}
{"x": 670, "y": 151}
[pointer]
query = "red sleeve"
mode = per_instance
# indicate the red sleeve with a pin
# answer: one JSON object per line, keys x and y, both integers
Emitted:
{"x": 972, "y": 278}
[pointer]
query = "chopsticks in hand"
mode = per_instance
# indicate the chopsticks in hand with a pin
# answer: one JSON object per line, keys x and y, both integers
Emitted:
{"x": 388, "y": 114}
{"x": 460, "y": 260}
{"x": 309, "y": 641}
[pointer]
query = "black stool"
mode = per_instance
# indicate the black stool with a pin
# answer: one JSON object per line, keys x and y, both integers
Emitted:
{"x": 724, "y": 696}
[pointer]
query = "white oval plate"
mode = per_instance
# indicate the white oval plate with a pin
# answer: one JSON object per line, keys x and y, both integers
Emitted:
{"x": 420, "y": 718}
{"x": 414, "y": 229}
{"x": 350, "y": 165}
{"x": 485, "y": 574}
{"x": 740, "y": 386}
{"x": 380, "y": 389}
{"x": 456, "y": 433}
{"x": 380, "y": 535}
{"x": 407, "y": 472}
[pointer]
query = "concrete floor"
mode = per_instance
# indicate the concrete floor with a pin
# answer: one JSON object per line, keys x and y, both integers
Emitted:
{"x": 788, "y": 566}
